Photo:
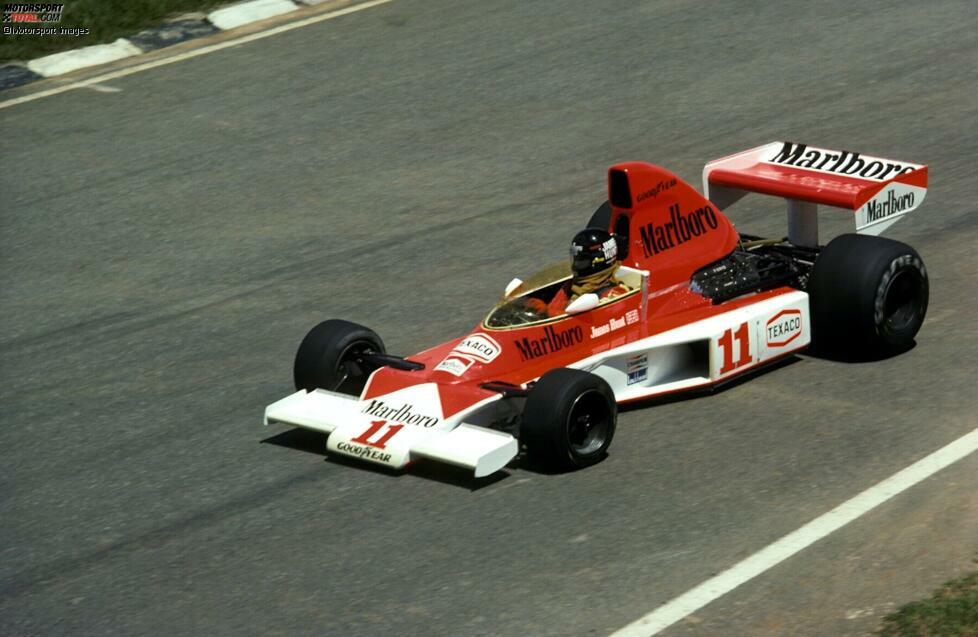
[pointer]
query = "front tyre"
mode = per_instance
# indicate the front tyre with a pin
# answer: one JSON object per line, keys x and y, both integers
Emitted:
{"x": 568, "y": 419}
{"x": 868, "y": 295}
{"x": 329, "y": 357}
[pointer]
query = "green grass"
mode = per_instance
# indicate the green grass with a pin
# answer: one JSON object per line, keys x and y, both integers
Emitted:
{"x": 952, "y": 611}
{"x": 106, "y": 19}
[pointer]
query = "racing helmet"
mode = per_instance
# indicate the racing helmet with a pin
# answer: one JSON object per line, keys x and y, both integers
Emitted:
{"x": 592, "y": 251}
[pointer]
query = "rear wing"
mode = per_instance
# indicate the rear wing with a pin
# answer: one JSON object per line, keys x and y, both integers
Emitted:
{"x": 879, "y": 191}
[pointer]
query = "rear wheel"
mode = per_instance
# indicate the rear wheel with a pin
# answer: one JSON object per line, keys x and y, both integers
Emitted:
{"x": 868, "y": 295}
{"x": 601, "y": 217}
{"x": 330, "y": 357}
{"x": 569, "y": 419}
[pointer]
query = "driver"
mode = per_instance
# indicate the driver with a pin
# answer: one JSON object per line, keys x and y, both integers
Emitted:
{"x": 594, "y": 262}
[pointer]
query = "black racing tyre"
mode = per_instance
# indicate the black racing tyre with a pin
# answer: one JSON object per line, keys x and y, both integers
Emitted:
{"x": 601, "y": 217}
{"x": 328, "y": 357}
{"x": 868, "y": 295}
{"x": 568, "y": 419}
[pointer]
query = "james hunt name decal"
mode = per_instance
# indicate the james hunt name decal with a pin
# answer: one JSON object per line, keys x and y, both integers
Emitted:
{"x": 678, "y": 230}
{"x": 839, "y": 162}
{"x": 402, "y": 414}
{"x": 614, "y": 324}
{"x": 552, "y": 341}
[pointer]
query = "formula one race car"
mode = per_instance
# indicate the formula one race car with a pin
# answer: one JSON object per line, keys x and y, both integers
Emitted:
{"x": 703, "y": 304}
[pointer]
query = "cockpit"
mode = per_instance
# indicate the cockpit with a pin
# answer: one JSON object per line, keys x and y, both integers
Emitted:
{"x": 523, "y": 303}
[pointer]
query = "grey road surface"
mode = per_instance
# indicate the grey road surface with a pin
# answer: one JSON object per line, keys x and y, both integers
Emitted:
{"x": 163, "y": 248}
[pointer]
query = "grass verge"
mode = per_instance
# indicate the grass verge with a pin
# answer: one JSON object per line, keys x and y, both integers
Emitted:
{"x": 105, "y": 19}
{"x": 952, "y": 611}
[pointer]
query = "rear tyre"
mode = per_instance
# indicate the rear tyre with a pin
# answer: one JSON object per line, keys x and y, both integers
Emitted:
{"x": 329, "y": 357}
{"x": 568, "y": 420}
{"x": 601, "y": 217}
{"x": 868, "y": 295}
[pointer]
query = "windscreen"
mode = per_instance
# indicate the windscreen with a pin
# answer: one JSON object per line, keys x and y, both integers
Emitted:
{"x": 522, "y": 306}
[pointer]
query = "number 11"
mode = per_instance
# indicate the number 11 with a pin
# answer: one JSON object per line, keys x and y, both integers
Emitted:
{"x": 726, "y": 342}
{"x": 375, "y": 427}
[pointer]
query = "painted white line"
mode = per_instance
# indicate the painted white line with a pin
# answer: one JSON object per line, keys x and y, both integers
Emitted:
{"x": 773, "y": 554}
{"x": 68, "y": 61}
{"x": 251, "y": 37}
{"x": 102, "y": 88}
{"x": 247, "y": 12}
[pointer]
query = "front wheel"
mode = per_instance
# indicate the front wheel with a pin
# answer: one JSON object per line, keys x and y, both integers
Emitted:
{"x": 868, "y": 294}
{"x": 329, "y": 357}
{"x": 569, "y": 419}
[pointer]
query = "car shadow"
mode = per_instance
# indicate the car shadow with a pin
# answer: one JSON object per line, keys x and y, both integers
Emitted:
{"x": 524, "y": 463}
{"x": 314, "y": 442}
{"x": 856, "y": 356}
{"x": 299, "y": 439}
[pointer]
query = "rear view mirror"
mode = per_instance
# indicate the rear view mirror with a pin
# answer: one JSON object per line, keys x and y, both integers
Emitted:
{"x": 583, "y": 303}
{"x": 512, "y": 286}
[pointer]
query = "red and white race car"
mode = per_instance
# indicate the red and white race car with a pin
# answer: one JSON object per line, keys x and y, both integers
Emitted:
{"x": 704, "y": 304}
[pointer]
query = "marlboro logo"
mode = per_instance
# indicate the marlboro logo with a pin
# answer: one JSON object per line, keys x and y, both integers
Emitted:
{"x": 888, "y": 204}
{"x": 840, "y": 162}
{"x": 678, "y": 230}
{"x": 552, "y": 341}
{"x": 399, "y": 413}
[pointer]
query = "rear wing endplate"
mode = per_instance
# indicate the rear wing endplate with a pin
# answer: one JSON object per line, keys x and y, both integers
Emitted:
{"x": 879, "y": 191}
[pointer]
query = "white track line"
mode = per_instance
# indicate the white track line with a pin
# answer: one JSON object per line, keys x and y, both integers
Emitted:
{"x": 298, "y": 24}
{"x": 768, "y": 557}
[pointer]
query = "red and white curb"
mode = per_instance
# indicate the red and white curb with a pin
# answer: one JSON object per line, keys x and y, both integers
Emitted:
{"x": 68, "y": 61}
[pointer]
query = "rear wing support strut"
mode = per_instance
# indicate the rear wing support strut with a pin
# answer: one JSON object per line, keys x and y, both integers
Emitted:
{"x": 803, "y": 223}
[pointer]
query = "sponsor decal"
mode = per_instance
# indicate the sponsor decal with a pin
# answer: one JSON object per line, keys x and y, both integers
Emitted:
{"x": 609, "y": 249}
{"x": 366, "y": 453}
{"x": 636, "y": 362}
{"x": 478, "y": 346}
{"x": 637, "y": 368}
{"x": 783, "y": 327}
{"x": 840, "y": 162}
{"x": 552, "y": 341}
{"x": 638, "y": 376}
{"x": 880, "y": 207}
{"x": 631, "y": 317}
{"x": 472, "y": 348}
{"x": 654, "y": 191}
{"x": 403, "y": 414}
{"x": 678, "y": 230}
{"x": 454, "y": 365}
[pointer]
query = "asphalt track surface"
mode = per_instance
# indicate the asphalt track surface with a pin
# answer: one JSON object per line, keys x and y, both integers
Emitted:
{"x": 163, "y": 249}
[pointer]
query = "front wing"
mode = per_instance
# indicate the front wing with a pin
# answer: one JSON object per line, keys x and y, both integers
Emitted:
{"x": 395, "y": 445}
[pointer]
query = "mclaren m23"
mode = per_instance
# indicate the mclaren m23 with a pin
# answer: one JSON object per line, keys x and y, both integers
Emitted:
{"x": 704, "y": 304}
